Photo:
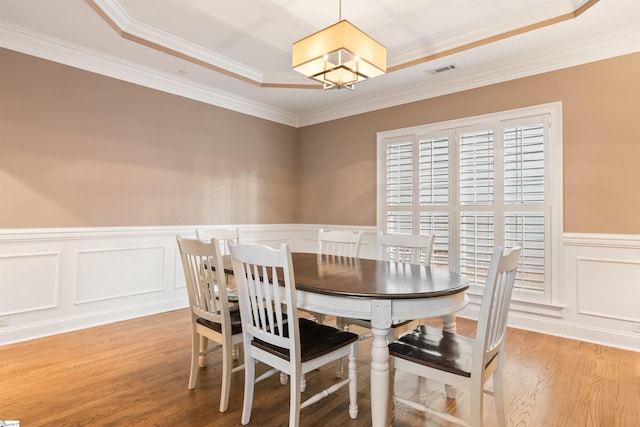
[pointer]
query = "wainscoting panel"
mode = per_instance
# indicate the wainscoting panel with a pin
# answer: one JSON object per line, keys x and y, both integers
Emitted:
{"x": 602, "y": 282}
{"x": 29, "y": 282}
{"x": 601, "y": 290}
{"x": 118, "y": 273}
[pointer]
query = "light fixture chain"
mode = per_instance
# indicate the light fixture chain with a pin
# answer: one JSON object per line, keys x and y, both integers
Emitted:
{"x": 339, "y": 10}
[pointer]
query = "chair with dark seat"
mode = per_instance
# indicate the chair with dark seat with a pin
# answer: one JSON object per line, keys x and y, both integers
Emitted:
{"x": 274, "y": 335}
{"x": 211, "y": 317}
{"x": 464, "y": 362}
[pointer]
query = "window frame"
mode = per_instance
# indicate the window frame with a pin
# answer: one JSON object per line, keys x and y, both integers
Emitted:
{"x": 553, "y": 185}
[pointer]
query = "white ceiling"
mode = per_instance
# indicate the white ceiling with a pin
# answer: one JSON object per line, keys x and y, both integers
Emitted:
{"x": 225, "y": 52}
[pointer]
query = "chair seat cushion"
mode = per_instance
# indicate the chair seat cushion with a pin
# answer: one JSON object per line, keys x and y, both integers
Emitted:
{"x": 315, "y": 340}
{"x": 435, "y": 348}
{"x": 236, "y": 323}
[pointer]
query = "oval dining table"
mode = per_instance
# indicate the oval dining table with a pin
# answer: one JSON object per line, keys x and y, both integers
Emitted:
{"x": 383, "y": 292}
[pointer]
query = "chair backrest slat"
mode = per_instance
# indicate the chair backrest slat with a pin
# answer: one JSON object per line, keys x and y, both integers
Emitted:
{"x": 492, "y": 323}
{"x": 406, "y": 248}
{"x": 338, "y": 242}
{"x": 265, "y": 282}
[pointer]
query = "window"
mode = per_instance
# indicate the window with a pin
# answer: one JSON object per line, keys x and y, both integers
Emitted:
{"x": 477, "y": 183}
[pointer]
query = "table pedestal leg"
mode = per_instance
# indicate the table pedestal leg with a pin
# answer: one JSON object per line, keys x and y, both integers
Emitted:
{"x": 381, "y": 404}
{"x": 449, "y": 325}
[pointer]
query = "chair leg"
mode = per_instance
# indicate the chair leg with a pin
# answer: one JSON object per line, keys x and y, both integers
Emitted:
{"x": 340, "y": 325}
{"x": 476, "y": 399}
{"x": 449, "y": 324}
{"x": 295, "y": 398}
{"x": 203, "y": 348}
{"x": 195, "y": 352}
{"x": 284, "y": 378}
{"x": 423, "y": 389}
{"x": 353, "y": 385}
{"x": 249, "y": 383}
{"x": 498, "y": 393}
{"x": 226, "y": 376}
{"x": 235, "y": 352}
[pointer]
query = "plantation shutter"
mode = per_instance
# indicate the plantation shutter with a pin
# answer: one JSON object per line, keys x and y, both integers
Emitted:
{"x": 399, "y": 187}
{"x": 476, "y": 196}
{"x": 524, "y": 193}
{"x": 434, "y": 193}
{"x": 474, "y": 187}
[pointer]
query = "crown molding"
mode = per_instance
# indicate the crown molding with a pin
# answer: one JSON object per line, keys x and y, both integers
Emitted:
{"x": 148, "y": 33}
{"x": 508, "y": 26}
{"x": 31, "y": 43}
{"x": 25, "y": 41}
{"x": 595, "y": 49}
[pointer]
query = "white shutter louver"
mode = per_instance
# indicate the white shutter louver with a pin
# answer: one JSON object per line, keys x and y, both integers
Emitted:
{"x": 477, "y": 240}
{"x": 437, "y": 223}
{"x": 399, "y": 222}
{"x": 524, "y": 164}
{"x": 476, "y": 168}
{"x": 527, "y": 228}
{"x": 399, "y": 172}
{"x": 434, "y": 171}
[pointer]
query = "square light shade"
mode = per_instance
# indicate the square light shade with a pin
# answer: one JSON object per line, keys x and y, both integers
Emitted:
{"x": 339, "y": 56}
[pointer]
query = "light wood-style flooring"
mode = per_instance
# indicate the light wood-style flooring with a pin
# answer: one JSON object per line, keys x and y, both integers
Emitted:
{"x": 135, "y": 373}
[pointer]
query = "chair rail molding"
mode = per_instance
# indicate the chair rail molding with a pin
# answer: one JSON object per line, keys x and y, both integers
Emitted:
{"x": 54, "y": 280}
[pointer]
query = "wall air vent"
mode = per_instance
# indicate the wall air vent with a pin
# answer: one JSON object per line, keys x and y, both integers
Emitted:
{"x": 441, "y": 70}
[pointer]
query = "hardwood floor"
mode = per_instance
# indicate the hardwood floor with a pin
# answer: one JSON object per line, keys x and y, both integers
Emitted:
{"x": 135, "y": 373}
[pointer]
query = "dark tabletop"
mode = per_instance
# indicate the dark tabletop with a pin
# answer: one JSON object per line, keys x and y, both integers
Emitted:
{"x": 358, "y": 277}
{"x": 371, "y": 278}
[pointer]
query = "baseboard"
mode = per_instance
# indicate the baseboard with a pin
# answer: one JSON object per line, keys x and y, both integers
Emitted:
{"x": 59, "y": 325}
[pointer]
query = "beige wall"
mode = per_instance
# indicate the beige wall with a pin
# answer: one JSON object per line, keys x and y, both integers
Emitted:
{"x": 78, "y": 149}
{"x": 601, "y": 146}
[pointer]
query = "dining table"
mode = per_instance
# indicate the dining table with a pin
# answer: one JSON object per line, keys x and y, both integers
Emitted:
{"x": 384, "y": 292}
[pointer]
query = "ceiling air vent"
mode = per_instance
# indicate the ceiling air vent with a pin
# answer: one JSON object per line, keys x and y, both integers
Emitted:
{"x": 440, "y": 70}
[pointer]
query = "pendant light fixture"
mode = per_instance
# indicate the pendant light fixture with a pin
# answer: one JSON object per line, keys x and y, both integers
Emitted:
{"x": 339, "y": 56}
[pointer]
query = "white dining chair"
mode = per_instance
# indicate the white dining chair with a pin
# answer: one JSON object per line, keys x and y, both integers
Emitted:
{"x": 460, "y": 361}
{"x": 273, "y": 333}
{"x": 211, "y": 317}
{"x": 339, "y": 242}
{"x": 406, "y": 248}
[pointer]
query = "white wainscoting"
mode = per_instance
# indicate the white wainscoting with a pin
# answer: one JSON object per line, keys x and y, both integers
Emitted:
{"x": 602, "y": 275}
{"x": 58, "y": 280}
{"x": 600, "y": 293}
